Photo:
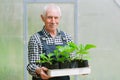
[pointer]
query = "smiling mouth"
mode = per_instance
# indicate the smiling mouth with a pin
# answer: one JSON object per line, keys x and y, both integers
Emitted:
{"x": 53, "y": 25}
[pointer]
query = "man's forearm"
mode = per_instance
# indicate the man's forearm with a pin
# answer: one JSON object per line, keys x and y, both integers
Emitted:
{"x": 31, "y": 69}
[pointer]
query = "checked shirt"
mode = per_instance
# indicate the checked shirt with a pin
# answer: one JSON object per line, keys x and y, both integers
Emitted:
{"x": 35, "y": 47}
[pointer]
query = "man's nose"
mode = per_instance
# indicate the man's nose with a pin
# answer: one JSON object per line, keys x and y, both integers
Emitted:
{"x": 53, "y": 20}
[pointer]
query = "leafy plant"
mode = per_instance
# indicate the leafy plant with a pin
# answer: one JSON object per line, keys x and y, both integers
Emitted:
{"x": 61, "y": 53}
{"x": 78, "y": 52}
{"x": 82, "y": 51}
{"x": 69, "y": 52}
{"x": 46, "y": 58}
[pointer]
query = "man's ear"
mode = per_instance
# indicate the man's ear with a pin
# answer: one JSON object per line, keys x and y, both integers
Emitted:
{"x": 42, "y": 17}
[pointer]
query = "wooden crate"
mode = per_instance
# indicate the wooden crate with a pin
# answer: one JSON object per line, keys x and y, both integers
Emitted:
{"x": 72, "y": 71}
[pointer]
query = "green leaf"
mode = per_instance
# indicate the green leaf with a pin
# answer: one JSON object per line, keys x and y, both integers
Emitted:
{"x": 73, "y": 45}
{"x": 89, "y": 46}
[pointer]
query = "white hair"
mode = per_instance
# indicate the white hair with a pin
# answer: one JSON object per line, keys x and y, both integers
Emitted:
{"x": 52, "y": 6}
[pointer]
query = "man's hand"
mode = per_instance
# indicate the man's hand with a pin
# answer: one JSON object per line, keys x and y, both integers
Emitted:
{"x": 41, "y": 71}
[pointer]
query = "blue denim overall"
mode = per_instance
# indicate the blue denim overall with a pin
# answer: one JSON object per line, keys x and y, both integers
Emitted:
{"x": 50, "y": 48}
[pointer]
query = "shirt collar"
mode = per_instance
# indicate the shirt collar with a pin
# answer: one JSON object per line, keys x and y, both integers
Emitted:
{"x": 47, "y": 34}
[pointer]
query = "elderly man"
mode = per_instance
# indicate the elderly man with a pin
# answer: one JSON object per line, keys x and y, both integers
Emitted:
{"x": 49, "y": 37}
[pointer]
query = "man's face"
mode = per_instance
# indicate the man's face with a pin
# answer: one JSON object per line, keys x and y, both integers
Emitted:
{"x": 51, "y": 20}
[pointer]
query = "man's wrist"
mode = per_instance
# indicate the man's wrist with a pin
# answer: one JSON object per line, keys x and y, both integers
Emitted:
{"x": 38, "y": 71}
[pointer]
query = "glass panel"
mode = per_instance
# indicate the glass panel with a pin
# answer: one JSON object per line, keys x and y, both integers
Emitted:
{"x": 11, "y": 40}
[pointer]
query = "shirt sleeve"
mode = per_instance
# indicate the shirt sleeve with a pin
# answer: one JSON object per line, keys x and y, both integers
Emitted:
{"x": 33, "y": 55}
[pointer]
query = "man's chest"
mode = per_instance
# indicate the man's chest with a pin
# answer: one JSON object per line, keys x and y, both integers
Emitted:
{"x": 53, "y": 41}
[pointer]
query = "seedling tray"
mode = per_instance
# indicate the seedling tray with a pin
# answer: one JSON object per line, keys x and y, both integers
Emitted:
{"x": 69, "y": 71}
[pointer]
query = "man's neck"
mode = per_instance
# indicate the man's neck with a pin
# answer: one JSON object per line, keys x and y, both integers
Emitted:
{"x": 53, "y": 33}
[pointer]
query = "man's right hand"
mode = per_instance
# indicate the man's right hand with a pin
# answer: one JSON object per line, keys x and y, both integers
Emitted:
{"x": 41, "y": 71}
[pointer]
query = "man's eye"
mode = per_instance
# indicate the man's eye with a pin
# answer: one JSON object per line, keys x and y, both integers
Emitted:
{"x": 56, "y": 17}
{"x": 49, "y": 17}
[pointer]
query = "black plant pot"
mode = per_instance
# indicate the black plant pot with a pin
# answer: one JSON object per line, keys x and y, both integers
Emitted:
{"x": 74, "y": 64}
{"x": 51, "y": 66}
{"x": 82, "y": 63}
{"x": 65, "y": 64}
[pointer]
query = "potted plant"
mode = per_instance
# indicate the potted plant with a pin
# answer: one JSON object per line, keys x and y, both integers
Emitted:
{"x": 73, "y": 48}
{"x": 48, "y": 61}
{"x": 79, "y": 54}
{"x": 63, "y": 56}
{"x": 82, "y": 54}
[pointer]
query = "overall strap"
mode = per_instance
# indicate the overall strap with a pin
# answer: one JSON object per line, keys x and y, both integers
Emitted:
{"x": 43, "y": 41}
{"x": 40, "y": 33}
{"x": 63, "y": 37}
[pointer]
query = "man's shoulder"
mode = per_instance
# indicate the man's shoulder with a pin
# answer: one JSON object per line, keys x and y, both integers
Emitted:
{"x": 67, "y": 36}
{"x": 64, "y": 33}
{"x": 35, "y": 35}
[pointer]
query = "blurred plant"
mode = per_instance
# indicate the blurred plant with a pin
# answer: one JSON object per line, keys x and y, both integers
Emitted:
{"x": 46, "y": 58}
